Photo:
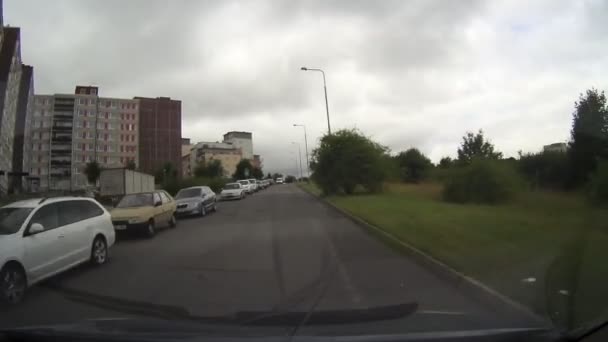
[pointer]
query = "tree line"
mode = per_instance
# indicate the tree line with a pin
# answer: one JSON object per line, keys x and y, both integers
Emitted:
{"x": 347, "y": 160}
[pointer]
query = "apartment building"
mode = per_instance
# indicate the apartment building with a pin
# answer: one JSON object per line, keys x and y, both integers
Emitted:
{"x": 67, "y": 131}
{"x": 227, "y": 153}
{"x": 10, "y": 80}
{"x": 242, "y": 140}
{"x": 160, "y": 130}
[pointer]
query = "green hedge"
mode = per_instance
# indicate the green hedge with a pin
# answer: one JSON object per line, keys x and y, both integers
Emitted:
{"x": 597, "y": 190}
{"x": 483, "y": 181}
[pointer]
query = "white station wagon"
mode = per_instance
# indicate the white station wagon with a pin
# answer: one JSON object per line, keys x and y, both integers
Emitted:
{"x": 42, "y": 237}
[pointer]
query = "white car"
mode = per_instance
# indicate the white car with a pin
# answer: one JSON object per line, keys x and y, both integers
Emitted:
{"x": 254, "y": 185}
{"x": 42, "y": 237}
{"x": 280, "y": 180}
{"x": 232, "y": 191}
{"x": 247, "y": 186}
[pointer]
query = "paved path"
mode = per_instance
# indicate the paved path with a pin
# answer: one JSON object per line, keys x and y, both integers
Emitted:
{"x": 280, "y": 249}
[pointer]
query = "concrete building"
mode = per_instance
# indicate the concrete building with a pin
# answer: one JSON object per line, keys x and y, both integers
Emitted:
{"x": 10, "y": 82}
{"x": 186, "y": 165}
{"x": 556, "y": 147}
{"x": 67, "y": 131}
{"x": 161, "y": 133}
{"x": 227, "y": 153}
{"x": 242, "y": 140}
{"x": 25, "y": 108}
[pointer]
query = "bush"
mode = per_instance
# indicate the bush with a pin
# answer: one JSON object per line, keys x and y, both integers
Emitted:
{"x": 483, "y": 181}
{"x": 597, "y": 190}
{"x": 545, "y": 169}
{"x": 413, "y": 165}
{"x": 347, "y": 159}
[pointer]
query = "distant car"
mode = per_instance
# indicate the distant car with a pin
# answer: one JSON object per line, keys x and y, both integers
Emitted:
{"x": 254, "y": 184}
{"x": 42, "y": 237}
{"x": 280, "y": 180}
{"x": 196, "y": 200}
{"x": 232, "y": 191}
{"x": 246, "y": 185}
{"x": 260, "y": 184}
{"x": 145, "y": 212}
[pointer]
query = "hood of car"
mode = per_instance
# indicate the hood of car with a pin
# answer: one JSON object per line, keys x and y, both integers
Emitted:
{"x": 126, "y": 213}
{"x": 189, "y": 200}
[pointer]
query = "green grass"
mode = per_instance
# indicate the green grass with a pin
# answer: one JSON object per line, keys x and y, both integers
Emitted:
{"x": 537, "y": 235}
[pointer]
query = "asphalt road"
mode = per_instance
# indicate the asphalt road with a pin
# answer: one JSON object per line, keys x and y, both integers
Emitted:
{"x": 278, "y": 250}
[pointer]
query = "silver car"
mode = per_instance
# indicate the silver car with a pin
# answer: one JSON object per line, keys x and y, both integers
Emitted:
{"x": 196, "y": 200}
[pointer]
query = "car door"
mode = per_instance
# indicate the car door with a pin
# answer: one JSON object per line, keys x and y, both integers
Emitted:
{"x": 210, "y": 197}
{"x": 159, "y": 211}
{"x": 45, "y": 252}
{"x": 167, "y": 208}
{"x": 75, "y": 227}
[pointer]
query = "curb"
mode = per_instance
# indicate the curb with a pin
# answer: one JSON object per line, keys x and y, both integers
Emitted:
{"x": 474, "y": 288}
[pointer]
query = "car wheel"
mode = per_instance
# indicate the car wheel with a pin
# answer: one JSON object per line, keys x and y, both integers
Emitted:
{"x": 214, "y": 208}
{"x": 173, "y": 221}
{"x": 203, "y": 211}
{"x": 150, "y": 229}
{"x": 12, "y": 284}
{"x": 99, "y": 252}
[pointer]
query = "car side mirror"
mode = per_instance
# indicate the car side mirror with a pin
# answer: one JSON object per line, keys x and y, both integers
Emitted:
{"x": 158, "y": 204}
{"x": 36, "y": 228}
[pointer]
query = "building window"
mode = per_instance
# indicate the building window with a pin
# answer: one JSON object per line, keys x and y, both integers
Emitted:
{"x": 84, "y": 158}
{"x": 122, "y": 160}
{"x": 122, "y": 148}
{"x": 82, "y": 101}
{"x": 105, "y": 137}
{"x": 90, "y": 147}
{"x": 105, "y": 148}
{"x": 122, "y": 127}
{"x": 105, "y": 160}
{"x": 132, "y": 138}
{"x": 122, "y": 137}
{"x": 91, "y": 101}
{"x": 122, "y": 116}
{"x": 84, "y": 124}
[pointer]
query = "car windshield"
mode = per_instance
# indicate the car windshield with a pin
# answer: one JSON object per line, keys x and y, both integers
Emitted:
{"x": 244, "y": 182}
{"x": 232, "y": 186}
{"x": 11, "y": 219}
{"x": 136, "y": 200}
{"x": 188, "y": 193}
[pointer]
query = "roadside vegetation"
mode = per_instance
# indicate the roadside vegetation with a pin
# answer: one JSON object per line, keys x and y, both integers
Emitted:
{"x": 533, "y": 227}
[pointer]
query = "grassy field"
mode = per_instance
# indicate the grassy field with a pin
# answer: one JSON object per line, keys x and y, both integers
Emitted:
{"x": 540, "y": 235}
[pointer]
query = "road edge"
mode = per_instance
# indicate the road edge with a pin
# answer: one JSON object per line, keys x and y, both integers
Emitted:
{"x": 473, "y": 287}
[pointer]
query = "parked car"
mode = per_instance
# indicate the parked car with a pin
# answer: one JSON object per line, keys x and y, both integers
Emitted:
{"x": 254, "y": 184}
{"x": 280, "y": 180}
{"x": 232, "y": 191}
{"x": 260, "y": 184}
{"x": 246, "y": 185}
{"x": 145, "y": 212}
{"x": 43, "y": 237}
{"x": 196, "y": 200}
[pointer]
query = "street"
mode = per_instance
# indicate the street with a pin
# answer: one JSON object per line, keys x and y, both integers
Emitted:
{"x": 272, "y": 251}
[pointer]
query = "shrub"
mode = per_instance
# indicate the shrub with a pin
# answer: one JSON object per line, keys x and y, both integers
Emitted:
{"x": 597, "y": 190}
{"x": 347, "y": 159}
{"x": 545, "y": 169}
{"x": 414, "y": 166}
{"x": 483, "y": 181}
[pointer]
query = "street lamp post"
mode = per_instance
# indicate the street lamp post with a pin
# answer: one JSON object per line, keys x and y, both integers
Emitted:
{"x": 325, "y": 89}
{"x": 306, "y": 147}
{"x": 300, "y": 155}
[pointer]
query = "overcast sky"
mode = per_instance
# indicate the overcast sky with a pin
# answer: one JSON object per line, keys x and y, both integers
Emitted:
{"x": 406, "y": 73}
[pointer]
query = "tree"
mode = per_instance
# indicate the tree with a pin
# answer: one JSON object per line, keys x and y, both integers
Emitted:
{"x": 92, "y": 170}
{"x": 476, "y": 146}
{"x": 269, "y": 176}
{"x": 212, "y": 169}
{"x": 290, "y": 179}
{"x": 589, "y": 135}
{"x": 413, "y": 165}
{"x": 257, "y": 173}
{"x": 130, "y": 165}
{"x": 346, "y": 159}
{"x": 445, "y": 163}
{"x": 240, "y": 172}
{"x": 166, "y": 174}
{"x": 276, "y": 175}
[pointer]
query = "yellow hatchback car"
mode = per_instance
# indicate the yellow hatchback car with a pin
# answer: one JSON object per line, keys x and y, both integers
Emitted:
{"x": 144, "y": 212}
